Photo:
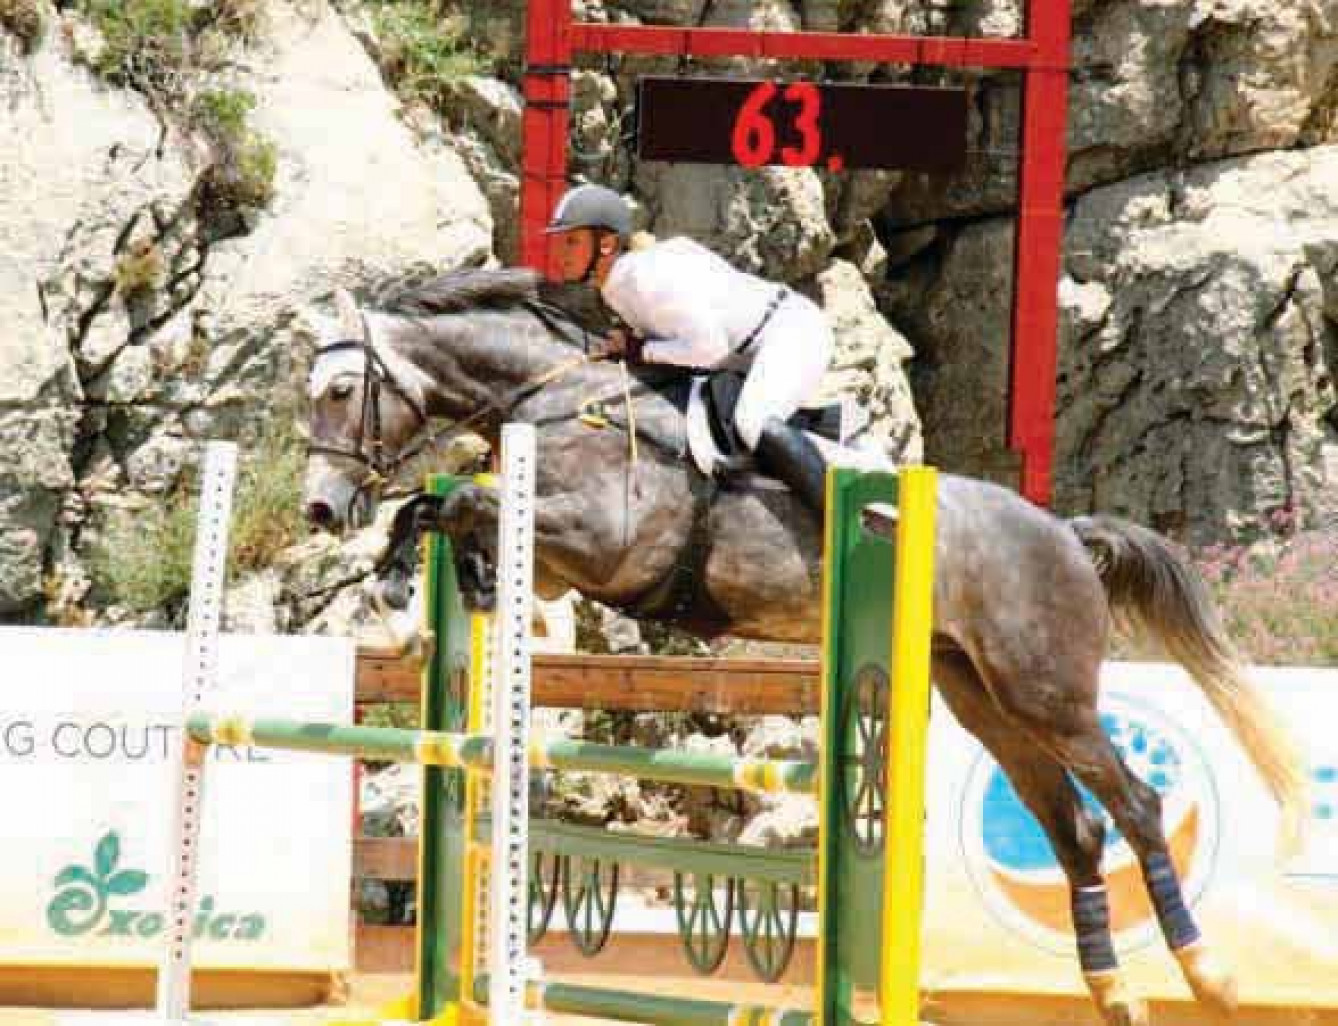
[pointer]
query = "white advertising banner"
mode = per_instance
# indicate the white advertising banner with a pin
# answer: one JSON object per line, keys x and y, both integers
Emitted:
{"x": 86, "y": 724}
{"x": 997, "y": 917}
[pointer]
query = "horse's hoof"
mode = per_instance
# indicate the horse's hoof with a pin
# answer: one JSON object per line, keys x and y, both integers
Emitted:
{"x": 479, "y": 601}
{"x": 397, "y": 589}
{"x": 477, "y": 582}
{"x": 1114, "y": 1001}
{"x": 1212, "y": 982}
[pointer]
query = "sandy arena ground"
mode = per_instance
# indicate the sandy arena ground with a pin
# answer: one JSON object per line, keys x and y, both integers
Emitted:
{"x": 371, "y": 992}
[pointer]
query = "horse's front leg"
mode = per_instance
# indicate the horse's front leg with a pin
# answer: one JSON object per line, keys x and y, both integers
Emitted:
{"x": 470, "y": 517}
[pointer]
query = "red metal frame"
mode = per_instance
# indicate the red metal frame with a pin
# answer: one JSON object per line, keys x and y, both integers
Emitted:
{"x": 1042, "y": 55}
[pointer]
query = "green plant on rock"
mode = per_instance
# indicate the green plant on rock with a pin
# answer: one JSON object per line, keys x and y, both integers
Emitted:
{"x": 245, "y": 162}
{"x": 147, "y": 42}
{"x": 267, "y": 517}
{"x": 425, "y": 47}
{"x": 161, "y": 46}
{"x": 238, "y": 180}
{"x": 142, "y": 560}
{"x": 26, "y": 20}
{"x": 223, "y": 113}
{"x": 240, "y": 19}
{"x": 257, "y": 162}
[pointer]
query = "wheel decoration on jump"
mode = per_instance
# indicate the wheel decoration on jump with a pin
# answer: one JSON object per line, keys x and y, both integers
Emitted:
{"x": 769, "y": 919}
{"x": 864, "y": 788}
{"x": 704, "y": 912}
{"x": 589, "y": 899}
{"x": 545, "y": 881}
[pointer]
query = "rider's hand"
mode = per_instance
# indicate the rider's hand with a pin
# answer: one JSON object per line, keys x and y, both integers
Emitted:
{"x": 619, "y": 344}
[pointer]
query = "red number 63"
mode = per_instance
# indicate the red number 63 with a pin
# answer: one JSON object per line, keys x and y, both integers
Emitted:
{"x": 754, "y": 141}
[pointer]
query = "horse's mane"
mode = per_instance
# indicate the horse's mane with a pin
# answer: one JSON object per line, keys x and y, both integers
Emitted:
{"x": 503, "y": 288}
{"x": 468, "y": 289}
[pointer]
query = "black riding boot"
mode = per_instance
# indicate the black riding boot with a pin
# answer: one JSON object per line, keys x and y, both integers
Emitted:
{"x": 790, "y": 455}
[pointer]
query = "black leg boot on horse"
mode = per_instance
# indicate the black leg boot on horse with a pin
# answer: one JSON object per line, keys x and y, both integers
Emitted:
{"x": 788, "y": 453}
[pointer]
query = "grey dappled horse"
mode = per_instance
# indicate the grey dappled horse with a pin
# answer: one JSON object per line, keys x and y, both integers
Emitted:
{"x": 1024, "y": 602}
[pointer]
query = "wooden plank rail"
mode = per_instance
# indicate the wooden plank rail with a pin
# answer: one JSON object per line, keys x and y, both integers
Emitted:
{"x": 744, "y": 687}
{"x": 577, "y": 681}
{"x": 394, "y": 859}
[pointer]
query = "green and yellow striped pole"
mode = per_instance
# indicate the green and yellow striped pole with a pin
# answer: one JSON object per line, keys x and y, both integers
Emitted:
{"x": 476, "y": 858}
{"x": 475, "y": 752}
{"x": 445, "y": 829}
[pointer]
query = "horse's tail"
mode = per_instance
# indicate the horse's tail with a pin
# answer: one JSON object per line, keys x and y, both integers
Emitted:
{"x": 1152, "y": 590}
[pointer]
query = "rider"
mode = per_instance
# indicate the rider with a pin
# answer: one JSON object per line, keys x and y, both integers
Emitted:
{"x": 688, "y": 307}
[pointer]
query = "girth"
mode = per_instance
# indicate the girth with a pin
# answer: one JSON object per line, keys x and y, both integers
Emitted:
{"x": 682, "y": 597}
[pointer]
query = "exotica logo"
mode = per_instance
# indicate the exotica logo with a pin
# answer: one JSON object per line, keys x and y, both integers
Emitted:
{"x": 1020, "y": 880}
{"x": 86, "y": 895}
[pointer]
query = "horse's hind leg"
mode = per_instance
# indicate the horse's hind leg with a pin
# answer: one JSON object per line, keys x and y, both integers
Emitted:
{"x": 1075, "y": 834}
{"x": 1136, "y": 810}
{"x": 1038, "y": 640}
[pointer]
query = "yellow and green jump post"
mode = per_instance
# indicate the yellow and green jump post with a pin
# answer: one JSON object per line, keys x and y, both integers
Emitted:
{"x": 869, "y": 783}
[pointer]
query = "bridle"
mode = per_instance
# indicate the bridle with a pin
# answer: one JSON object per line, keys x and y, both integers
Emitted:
{"x": 369, "y": 449}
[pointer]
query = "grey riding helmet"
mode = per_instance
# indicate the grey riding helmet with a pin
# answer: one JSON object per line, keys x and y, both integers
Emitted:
{"x": 592, "y": 206}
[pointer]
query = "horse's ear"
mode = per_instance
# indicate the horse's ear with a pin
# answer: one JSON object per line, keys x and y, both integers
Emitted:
{"x": 350, "y": 320}
{"x": 320, "y": 328}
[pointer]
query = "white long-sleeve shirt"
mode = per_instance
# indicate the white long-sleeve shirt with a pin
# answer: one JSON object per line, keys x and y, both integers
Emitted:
{"x": 693, "y": 307}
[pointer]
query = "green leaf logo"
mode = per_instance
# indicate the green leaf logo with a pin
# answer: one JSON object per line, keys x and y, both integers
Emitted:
{"x": 131, "y": 881}
{"x": 108, "y": 854}
{"x": 81, "y": 895}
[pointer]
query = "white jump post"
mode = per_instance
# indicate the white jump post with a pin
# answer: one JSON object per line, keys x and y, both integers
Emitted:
{"x": 508, "y": 966}
{"x": 200, "y": 674}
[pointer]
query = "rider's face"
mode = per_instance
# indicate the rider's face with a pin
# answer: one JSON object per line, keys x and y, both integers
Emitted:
{"x": 575, "y": 251}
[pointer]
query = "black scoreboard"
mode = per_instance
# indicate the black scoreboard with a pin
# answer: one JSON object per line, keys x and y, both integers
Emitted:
{"x": 761, "y": 122}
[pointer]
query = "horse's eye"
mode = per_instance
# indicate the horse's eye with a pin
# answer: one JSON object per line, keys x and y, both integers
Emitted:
{"x": 342, "y": 391}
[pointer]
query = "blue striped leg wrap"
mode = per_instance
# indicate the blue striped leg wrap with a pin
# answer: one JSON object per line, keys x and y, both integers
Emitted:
{"x": 1177, "y": 925}
{"x": 1091, "y": 923}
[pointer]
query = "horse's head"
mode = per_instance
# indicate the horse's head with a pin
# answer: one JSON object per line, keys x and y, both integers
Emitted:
{"x": 466, "y": 347}
{"x": 366, "y": 408}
